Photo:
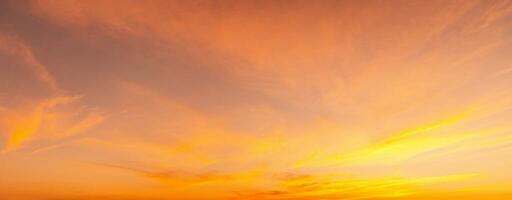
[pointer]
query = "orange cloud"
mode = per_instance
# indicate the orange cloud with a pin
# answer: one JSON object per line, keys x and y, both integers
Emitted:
{"x": 255, "y": 100}
{"x": 12, "y": 45}
{"x": 23, "y": 121}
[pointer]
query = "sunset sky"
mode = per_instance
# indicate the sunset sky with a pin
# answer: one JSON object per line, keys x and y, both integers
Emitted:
{"x": 255, "y": 100}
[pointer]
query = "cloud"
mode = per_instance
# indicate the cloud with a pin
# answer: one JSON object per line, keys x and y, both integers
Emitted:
{"x": 14, "y": 46}
{"x": 30, "y": 117}
{"x": 311, "y": 187}
{"x": 20, "y": 126}
{"x": 259, "y": 100}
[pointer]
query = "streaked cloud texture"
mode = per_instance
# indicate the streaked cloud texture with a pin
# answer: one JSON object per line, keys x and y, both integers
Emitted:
{"x": 266, "y": 100}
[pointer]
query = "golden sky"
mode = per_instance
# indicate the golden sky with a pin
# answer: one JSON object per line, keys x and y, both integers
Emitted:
{"x": 255, "y": 100}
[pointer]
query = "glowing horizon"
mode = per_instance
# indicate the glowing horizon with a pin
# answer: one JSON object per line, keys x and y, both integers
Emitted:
{"x": 263, "y": 100}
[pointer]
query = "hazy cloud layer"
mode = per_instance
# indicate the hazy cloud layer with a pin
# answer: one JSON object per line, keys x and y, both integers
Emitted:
{"x": 255, "y": 99}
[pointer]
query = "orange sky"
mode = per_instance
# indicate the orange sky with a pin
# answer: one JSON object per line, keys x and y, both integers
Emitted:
{"x": 255, "y": 100}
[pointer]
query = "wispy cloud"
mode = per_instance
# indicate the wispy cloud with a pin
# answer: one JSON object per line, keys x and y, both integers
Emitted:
{"x": 23, "y": 121}
{"x": 12, "y": 45}
{"x": 255, "y": 99}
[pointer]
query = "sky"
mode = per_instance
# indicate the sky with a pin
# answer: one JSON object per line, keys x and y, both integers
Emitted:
{"x": 255, "y": 100}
